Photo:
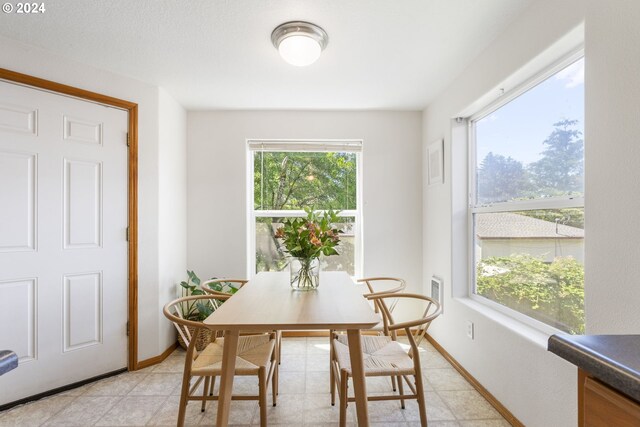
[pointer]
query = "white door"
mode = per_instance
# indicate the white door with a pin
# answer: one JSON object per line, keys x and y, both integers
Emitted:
{"x": 63, "y": 248}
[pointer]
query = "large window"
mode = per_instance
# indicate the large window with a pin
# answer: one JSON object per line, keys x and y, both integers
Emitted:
{"x": 527, "y": 200}
{"x": 290, "y": 176}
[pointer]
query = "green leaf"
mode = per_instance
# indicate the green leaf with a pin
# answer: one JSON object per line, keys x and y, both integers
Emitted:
{"x": 204, "y": 309}
{"x": 329, "y": 251}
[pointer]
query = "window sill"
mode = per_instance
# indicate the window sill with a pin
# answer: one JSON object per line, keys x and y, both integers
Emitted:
{"x": 528, "y": 332}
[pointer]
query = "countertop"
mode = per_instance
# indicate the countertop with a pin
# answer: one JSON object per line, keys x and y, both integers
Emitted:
{"x": 613, "y": 359}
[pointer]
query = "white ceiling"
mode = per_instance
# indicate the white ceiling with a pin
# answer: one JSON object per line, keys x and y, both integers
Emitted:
{"x": 215, "y": 54}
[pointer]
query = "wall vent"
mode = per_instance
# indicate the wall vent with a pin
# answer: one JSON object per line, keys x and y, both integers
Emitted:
{"x": 436, "y": 289}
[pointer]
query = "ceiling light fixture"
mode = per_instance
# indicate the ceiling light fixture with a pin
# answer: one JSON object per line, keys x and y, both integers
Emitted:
{"x": 299, "y": 43}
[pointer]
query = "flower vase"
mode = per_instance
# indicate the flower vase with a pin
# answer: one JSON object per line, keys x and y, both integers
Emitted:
{"x": 305, "y": 273}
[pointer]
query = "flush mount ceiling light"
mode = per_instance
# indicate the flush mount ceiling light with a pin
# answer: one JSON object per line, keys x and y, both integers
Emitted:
{"x": 299, "y": 43}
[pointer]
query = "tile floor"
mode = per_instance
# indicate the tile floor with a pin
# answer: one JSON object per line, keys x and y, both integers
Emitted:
{"x": 150, "y": 397}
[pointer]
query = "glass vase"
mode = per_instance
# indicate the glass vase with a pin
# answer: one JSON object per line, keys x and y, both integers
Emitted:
{"x": 305, "y": 273}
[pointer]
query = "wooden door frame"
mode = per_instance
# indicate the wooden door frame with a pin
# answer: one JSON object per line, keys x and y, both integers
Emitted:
{"x": 132, "y": 108}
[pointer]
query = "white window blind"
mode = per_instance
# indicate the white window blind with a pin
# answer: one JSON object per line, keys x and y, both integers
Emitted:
{"x": 345, "y": 146}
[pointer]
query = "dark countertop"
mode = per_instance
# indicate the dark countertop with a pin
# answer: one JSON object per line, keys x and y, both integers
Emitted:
{"x": 613, "y": 359}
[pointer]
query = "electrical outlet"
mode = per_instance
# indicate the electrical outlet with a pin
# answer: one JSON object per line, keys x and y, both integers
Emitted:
{"x": 470, "y": 329}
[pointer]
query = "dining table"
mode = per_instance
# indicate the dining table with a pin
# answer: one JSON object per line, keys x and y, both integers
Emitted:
{"x": 267, "y": 302}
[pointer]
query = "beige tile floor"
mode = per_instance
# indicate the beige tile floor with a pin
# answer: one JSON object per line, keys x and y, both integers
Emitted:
{"x": 150, "y": 397}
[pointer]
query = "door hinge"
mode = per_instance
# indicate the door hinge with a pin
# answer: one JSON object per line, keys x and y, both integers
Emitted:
{"x": 127, "y": 234}
{"x": 128, "y": 141}
{"x": 127, "y": 328}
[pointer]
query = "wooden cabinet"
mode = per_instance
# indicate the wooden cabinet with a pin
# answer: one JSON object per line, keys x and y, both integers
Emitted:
{"x": 601, "y": 406}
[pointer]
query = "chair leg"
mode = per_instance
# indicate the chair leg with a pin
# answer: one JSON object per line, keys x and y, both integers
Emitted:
{"x": 333, "y": 385}
{"x": 262, "y": 396}
{"x": 400, "y": 390}
{"x": 274, "y": 383}
{"x": 421, "y": 403}
{"x": 182, "y": 410}
{"x": 205, "y": 389}
{"x": 213, "y": 385}
{"x": 279, "y": 344}
{"x": 344, "y": 379}
{"x": 332, "y": 378}
{"x": 393, "y": 383}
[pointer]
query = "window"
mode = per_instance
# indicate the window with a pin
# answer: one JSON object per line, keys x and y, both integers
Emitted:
{"x": 527, "y": 201}
{"x": 289, "y": 176}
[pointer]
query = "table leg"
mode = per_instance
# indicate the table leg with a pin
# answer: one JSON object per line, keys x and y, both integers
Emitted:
{"x": 228, "y": 368}
{"x": 357, "y": 372}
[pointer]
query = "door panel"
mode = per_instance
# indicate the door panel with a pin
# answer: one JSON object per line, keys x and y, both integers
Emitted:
{"x": 63, "y": 248}
{"x": 82, "y": 204}
{"x": 16, "y": 118}
{"x": 17, "y": 201}
{"x": 82, "y": 310}
{"x": 21, "y": 337}
{"x": 82, "y": 131}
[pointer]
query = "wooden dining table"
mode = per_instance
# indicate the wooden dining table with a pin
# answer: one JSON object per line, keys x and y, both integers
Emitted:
{"x": 268, "y": 303}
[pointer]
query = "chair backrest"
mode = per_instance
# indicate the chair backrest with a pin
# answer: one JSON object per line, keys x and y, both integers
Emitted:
{"x": 391, "y": 284}
{"x": 384, "y": 285}
{"x": 174, "y": 312}
{"x": 415, "y": 329}
{"x": 222, "y": 286}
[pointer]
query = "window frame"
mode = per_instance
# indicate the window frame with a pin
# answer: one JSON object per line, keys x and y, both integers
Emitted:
{"x": 559, "y": 202}
{"x": 303, "y": 145}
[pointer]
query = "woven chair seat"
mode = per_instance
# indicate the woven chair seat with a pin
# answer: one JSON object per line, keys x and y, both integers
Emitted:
{"x": 381, "y": 356}
{"x": 254, "y": 352}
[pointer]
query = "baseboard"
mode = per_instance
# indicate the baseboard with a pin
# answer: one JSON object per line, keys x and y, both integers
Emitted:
{"x": 157, "y": 359}
{"x": 506, "y": 414}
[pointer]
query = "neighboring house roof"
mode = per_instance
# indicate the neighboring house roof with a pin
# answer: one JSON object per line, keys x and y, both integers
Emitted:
{"x": 506, "y": 225}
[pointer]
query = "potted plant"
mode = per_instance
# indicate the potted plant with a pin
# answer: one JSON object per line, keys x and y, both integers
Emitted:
{"x": 305, "y": 240}
{"x": 195, "y": 310}
{"x": 225, "y": 287}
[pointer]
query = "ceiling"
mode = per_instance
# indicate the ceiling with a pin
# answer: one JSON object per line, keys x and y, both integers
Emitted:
{"x": 215, "y": 54}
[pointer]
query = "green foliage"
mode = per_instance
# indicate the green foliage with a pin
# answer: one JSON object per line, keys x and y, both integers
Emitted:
{"x": 552, "y": 293}
{"x": 195, "y": 310}
{"x": 298, "y": 180}
{"x": 312, "y": 236}
{"x": 226, "y": 287}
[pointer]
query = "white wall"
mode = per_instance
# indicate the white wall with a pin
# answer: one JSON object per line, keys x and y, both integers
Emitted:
{"x": 612, "y": 156}
{"x": 172, "y": 208}
{"x": 27, "y": 59}
{"x": 511, "y": 361}
{"x": 217, "y": 181}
